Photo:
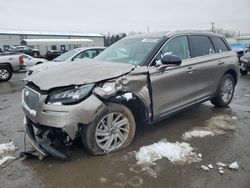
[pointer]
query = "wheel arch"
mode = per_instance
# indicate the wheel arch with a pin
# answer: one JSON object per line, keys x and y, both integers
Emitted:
{"x": 134, "y": 103}
{"x": 233, "y": 73}
{"x": 39, "y": 62}
{"x": 7, "y": 65}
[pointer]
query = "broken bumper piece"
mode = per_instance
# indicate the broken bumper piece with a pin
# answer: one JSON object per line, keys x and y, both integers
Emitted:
{"x": 43, "y": 146}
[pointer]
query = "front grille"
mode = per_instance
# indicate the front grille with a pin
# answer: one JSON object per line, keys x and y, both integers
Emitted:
{"x": 31, "y": 98}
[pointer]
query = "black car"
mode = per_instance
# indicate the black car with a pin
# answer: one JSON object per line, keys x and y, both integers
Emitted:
{"x": 245, "y": 63}
{"x": 26, "y": 50}
{"x": 52, "y": 54}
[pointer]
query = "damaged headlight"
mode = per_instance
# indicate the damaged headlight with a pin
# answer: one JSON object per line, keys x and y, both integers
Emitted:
{"x": 69, "y": 95}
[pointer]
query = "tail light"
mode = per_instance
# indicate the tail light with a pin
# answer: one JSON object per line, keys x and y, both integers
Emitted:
{"x": 21, "y": 60}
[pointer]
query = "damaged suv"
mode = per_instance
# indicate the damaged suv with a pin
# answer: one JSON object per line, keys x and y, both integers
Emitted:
{"x": 139, "y": 79}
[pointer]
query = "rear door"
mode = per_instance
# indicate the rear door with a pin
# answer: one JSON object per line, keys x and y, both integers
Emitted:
{"x": 206, "y": 64}
{"x": 173, "y": 87}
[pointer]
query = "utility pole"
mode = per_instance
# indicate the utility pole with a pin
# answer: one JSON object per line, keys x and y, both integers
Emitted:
{"x": 238, "y": 37}
{"x": 212, "y": 29}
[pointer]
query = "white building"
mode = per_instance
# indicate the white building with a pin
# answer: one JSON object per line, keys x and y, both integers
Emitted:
{"x": 13, "y": 37}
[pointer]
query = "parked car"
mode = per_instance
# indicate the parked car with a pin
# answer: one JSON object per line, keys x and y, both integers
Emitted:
{"x": 245, "y": 63}
{"x": 32, "y": 61}
{"x": 10, "y": 63}
{"x": 52, "y": 54}
{"x": 26, "y": 50}
{"x": 240, "y": 49}
{"x": 72, "y": 55}
{"x": 139, "y": 79}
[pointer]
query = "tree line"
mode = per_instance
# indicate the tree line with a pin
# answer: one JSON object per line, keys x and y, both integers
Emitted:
{"x": 111, "y": 39}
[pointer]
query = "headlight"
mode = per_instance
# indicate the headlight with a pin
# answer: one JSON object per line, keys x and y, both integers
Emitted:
{"x": 68, "y": 96}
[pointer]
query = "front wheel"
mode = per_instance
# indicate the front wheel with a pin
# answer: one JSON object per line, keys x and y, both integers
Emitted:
{"x": 112, "y": 130}
{"x": 5, "y": 73}
{"x": 225, "y": 91}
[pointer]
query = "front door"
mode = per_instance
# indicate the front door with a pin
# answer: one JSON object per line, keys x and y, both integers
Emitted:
{"x": 172, "y": 88}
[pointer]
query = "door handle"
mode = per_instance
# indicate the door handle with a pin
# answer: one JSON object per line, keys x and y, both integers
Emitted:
{"x": 190, "y": 70}
{"x": 221, "y": 62}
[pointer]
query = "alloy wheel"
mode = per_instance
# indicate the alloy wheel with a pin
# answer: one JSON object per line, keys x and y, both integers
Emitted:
{"x": 227, "y": 90}
{"x": 112, "y": 131}
{"x": 4, "y": 74}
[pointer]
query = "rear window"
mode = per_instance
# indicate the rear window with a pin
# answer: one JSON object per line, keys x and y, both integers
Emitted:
{"x": 219, "y": 45}
{"x": 200, "y": 45}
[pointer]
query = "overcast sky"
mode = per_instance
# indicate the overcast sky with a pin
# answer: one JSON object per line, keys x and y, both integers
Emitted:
{"x": 116, "y": 16}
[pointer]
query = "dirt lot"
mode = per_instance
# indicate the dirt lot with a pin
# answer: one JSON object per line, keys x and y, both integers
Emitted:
{"x": 120, "y": 169}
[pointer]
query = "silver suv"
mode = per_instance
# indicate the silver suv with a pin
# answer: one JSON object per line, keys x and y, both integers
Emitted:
{"x": 140, "y": 79}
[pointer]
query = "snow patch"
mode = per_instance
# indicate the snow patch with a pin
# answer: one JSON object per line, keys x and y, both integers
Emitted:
{"x": 5, "y": 159}
{"x": 203, "y": 167}
{"x": 174, "y": 152}
{"x": 196, "y": 133}
{"x": 219, "y": 124}
{"x": 221, "y": 164}
{"x": 234, "y": 117}
{"x": 221, "y": 172}
{"x": 210, "y": 166}
{"x": 246, "y": 95}
{"x": 234, "y": 165}
{"x": 7, "y": 147}
{"x": 215, "y": 125}
{"x": 128, "y": 96}
{"x": 103, "y": 180}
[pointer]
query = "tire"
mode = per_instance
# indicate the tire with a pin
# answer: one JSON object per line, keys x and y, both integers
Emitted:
{"x": 243, "y": 72}
{"x": 5, "y": 73}
{"x": 223, "y": 98}
{"x": 90, "y": 134}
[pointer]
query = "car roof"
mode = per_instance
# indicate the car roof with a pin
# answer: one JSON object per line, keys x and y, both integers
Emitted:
{"x": 174, "y": 33}
{"x": 89, "y": 48}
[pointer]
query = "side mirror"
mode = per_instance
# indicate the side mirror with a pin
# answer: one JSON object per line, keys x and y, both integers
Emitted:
{"x": 171, "y": 60}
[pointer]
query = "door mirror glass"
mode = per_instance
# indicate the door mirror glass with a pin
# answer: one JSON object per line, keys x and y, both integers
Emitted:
{"x": 171, "y": 60}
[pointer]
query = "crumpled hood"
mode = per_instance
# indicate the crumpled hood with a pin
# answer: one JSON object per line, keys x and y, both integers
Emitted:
{"x": 44, "y": 66}
{"x": 78, "y": 73}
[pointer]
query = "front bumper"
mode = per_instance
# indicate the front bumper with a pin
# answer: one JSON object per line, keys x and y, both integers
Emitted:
{"x": 43, "y": 146}
{"x": 65, "y": 117}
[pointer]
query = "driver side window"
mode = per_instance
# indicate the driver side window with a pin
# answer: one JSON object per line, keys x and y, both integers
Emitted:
{"x": 177, "y": 46}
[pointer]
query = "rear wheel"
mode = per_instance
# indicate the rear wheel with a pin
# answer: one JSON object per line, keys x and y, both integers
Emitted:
{"x": 243, "y": 72}
{"x": 225, "y": 91}
{"x": 5, "y": 73}
{"x": 111, "y": 131}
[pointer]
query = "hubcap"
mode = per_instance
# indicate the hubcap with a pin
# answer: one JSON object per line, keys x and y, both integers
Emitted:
{"x": 112, "y": 131}
{"x": 4, "y": 74}
{"x": 227, "y": 90}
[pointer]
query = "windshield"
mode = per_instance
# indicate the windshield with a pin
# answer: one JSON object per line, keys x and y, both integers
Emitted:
{"x": 131, "y": 50}
{"x": 67, "y": 55}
